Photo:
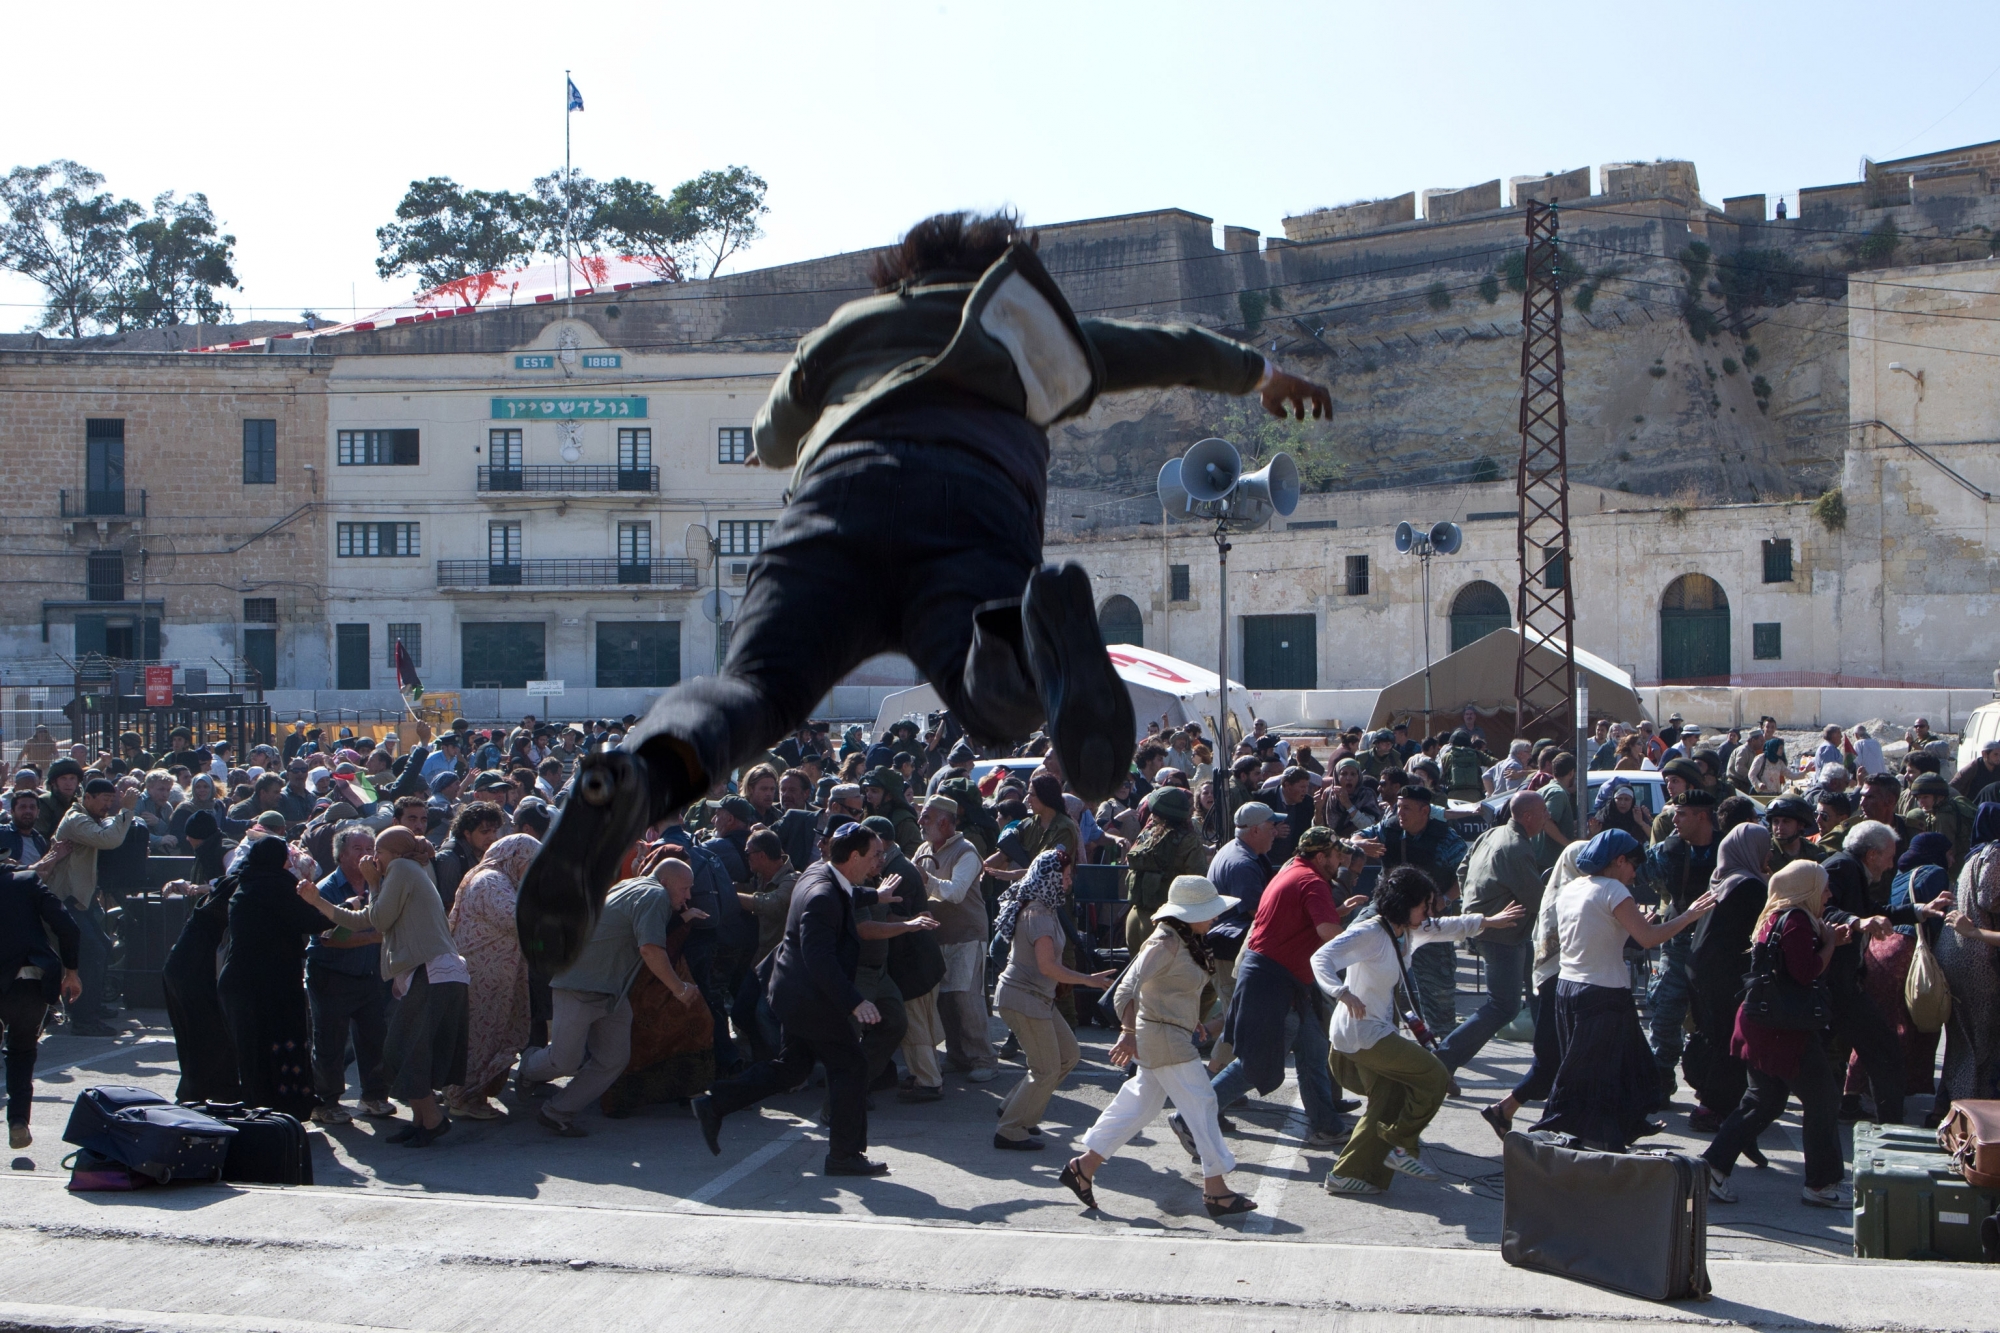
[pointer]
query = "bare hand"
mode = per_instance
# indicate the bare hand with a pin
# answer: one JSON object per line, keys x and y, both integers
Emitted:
{"x": 1356, "y": 903}
{"x": 867, "y": 1014}
{"x": 1106, "y": 977}
{"x": 1123, "y": 1051}
{"x": 1511, "y": 915}
{"x": 693, "y": 914}
{"x": 130, "y": 800}
{"x": 889, "y": 886}
{"x": 1283, "y": 388}
{"x": 1875, "y": 927}
{"x": 923, "y": 922}
{"x": 1963, "y": 924}
{"x": 1937, "y": 906}
{"x": 58, "y": 852}
{"x": 1353, "y": 1004}
{"x": 1703, "y": 905}
{"x": 309, "y": 892}
{"x": 1371, "y": 848}
{"x": 1840, "y": 934}
{"x": 72, "y": 985}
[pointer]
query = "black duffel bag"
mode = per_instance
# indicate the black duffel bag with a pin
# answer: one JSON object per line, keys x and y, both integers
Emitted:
{"x": 1773, "y": 998}
{"x": 149, "y": 1134}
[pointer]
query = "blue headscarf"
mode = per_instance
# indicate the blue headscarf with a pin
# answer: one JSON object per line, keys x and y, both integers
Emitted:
{"x": 1605, "y": 795}
{"x": 1605, "y": 848}
{"x": 1985, "y": 824}
{"x": 1927, "y": 849}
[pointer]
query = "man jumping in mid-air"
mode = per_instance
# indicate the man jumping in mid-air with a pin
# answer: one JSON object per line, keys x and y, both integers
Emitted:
{"x": 915, "y": 423}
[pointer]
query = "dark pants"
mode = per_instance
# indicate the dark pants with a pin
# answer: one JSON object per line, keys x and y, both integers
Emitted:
{"x": 706, "y": 960}
{"x": 1507, "y": 968}
{"x": 1860, "y": 1027}
{"x": 93, "y": 964}
{"x": 344, "y": 1004}
{"x": 846, "y": 1084}
{"x": 1541, "y": 1075}
{"x": 880, "y": 1041}
{"x": 1819, "y": 1101}
{"x": 21, "y": 1012}
{"x": 754, "y": 1020}
{"x": 905, "y": 542}
{"x": 1721, "y": 1080}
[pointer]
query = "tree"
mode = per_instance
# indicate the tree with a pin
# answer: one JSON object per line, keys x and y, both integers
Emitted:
{"x": 635, "y": 221}
{"x": 176, "y": 262}
{"x": 68, "y": 236}
{"x": 721, "y": 209}
{"x": 444, "y": 231}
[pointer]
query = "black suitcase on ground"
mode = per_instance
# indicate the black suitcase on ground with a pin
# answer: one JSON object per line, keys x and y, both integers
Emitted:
{"x": 270, "y": 1147}
{"x": 1634, "y": 1222}
{"x": 146, "y": 1132}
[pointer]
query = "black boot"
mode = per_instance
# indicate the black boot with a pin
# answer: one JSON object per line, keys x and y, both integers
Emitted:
{"x": 1089, "y": 709}
{"x": 611, "y": 805}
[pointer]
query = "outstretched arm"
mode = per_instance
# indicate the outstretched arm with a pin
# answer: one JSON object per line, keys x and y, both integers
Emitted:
{"x": 1158, "y": 356}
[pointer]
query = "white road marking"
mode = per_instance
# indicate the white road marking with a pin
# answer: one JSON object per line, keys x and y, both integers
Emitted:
{"x": 696, "y": 1198}
{"x": 1278, "y": 1168}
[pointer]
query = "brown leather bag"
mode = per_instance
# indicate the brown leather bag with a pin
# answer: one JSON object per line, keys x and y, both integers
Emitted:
{"x": 1970, "y": 1135}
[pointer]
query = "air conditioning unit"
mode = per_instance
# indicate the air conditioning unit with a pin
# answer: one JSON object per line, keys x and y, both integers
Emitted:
{"x": 739, "y": 571}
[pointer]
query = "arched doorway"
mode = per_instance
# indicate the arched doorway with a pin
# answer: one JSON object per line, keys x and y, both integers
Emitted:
{"x": 1478, "y": 610}
{"x": 1120, "y": 621}
{"x": 1694, "y": 630}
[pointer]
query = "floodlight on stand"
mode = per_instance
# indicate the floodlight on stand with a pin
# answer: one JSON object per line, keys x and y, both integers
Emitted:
{"x": 700, "y": 546}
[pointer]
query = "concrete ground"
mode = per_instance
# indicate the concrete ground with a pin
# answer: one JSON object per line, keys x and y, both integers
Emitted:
{"x": 477, "y": 1231}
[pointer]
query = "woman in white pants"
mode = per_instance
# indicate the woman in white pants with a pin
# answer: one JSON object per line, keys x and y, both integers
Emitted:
{"x": 1159, "y": 1010}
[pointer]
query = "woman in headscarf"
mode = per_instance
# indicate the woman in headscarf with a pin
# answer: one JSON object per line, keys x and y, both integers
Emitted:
{"x": 1617, "y": 807}
{"x": 201, "y": 797}
{"x": 1158, "y": 1002}
{"x": 1922, "y": 873}
{"x": 1784, "y": 1061}
{"x": 1719, "y": 956}
{"x": 1535, "y": 1084}
{"x": 262, "y": 986}
{"x": 1966, "y": 954}
{"x": 203, "y": 1046}
{"x": 1030, "y": 930}
{"x": 1768, "y": 771}
{"x": 482, "y": 929}
{"x": 1606, "y": 1080}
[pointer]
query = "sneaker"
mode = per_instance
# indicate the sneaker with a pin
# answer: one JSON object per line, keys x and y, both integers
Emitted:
{"x": 983, "y": 1074}
{"x": 18, "y": 1136}
{"x": 478, "y": 1108}
{"x": 1326, "y": 1138}
{"x": 1181, "y": 1131}
{"x": 332, "y": 1113}
{"x": 612, "y": 800}
{"x": 1719, "y": 1190}
{"x": 1348, "y": 1185}
{"x": 1821, "y": 1198}
{"x": 379, "y": 1107}
{"x": 1411, "y": 1165}
{"x": 1089, "y": 709}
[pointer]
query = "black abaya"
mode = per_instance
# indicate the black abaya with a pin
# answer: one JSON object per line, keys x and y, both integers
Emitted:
{"x": 262, "y": 986}
{"x": 202, "y": 1039}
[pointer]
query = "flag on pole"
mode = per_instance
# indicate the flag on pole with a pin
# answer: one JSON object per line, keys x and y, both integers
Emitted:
{"x": 407, "y": 683}
{"x": 575, "y": 98}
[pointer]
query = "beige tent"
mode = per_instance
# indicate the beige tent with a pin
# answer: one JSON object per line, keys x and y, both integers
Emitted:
{"x": 1482, "y": 674}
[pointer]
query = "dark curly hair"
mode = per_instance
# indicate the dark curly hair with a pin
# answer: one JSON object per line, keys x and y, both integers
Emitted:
{"x": 959, "y": 244}
{"x": 1399, "y": 893}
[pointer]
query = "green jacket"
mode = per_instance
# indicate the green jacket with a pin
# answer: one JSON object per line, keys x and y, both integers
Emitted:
{"x": 1155, "y": 863}
{"x": 1009, "y": 339}
{"x": 895, "y": 808}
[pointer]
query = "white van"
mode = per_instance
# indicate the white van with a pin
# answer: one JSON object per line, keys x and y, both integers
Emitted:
{"x": 1981, "y": 727}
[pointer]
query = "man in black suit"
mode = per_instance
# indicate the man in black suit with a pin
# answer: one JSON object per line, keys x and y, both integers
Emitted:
{"x": 812, "y": 991}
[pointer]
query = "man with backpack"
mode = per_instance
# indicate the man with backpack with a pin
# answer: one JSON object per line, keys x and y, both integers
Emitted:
{"x": 1464, "y": 767}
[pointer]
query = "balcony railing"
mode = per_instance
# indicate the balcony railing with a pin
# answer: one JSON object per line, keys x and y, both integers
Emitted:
{"x": 103, "y": 504}
{"x": 565, "y": 478}
{"x": 568, "y": 573}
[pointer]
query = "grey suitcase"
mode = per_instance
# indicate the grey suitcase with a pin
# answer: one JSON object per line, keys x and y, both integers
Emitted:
{"x": 1633, "y": 1222}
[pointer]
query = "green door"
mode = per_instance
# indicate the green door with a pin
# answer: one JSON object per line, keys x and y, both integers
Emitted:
{"x": 638, "y": 654}
{"x": 1694, "y": 630}
{"x": 1120, "y": 622}
{"x": 501, "y": 654}
{"x": 260, "y": 650}
{"x": 1478, "y": 610}
{"x": 350, "y": 659}
{"x": 1280, "y": 653}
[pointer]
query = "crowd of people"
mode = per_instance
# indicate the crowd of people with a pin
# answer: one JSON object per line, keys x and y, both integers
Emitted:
{"x": 867, "y": 906}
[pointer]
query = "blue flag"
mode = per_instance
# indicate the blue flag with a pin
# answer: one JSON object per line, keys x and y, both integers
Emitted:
{"x": 575, "y": 97}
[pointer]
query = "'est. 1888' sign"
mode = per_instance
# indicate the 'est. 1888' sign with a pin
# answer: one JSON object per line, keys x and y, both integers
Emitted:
{"x": 566, "y": 409}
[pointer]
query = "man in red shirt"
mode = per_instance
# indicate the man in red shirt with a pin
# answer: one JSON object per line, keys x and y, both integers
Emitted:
{"x": 1277, "y": 1006}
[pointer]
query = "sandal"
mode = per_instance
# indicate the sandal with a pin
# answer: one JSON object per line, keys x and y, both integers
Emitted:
{"x": 1079, "y": 1184}
{"x": 1501, "y": 1124}
{"x": 1235, "y": 1203}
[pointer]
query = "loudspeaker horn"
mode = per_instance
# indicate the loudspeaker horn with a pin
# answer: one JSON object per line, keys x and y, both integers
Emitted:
{"x": 1406, "y": 537}
{"x": 1210, "y": 470}
{"x": 1272, "y": 489}
{"x": 1173, "y": 495}
{"x": 1446, "y": 538}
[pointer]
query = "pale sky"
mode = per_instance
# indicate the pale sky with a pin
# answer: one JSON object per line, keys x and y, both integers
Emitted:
{"x": 305, "y": 124}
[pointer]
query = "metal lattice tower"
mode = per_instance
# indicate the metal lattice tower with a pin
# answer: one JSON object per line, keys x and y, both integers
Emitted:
{"x": 1544, "y": 694}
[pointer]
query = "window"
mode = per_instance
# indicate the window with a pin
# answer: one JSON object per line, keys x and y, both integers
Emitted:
{"x": 502, "y": 654}
{"x": 1778, "y": 562}
{"x": 260, "y": 452}
{"x": 377, "y": 448}
{"x": 104, "y": 576}
{"x": 638, "y": 654}
{"x": 635, "y": 543}
{"x": 1357, "y": 576}
{"x": 743, "y": 536}
{"x": 376, "y": 539}
{"x": 260, "y": 610}
{"x": 1555, "y": 568}
{"x": 635, "y": 449}
{"x": 1767, "y": 642}
{"x": 503, "y": 554}
{"x": 503, "y": 449}
{"x": 350, "y": 659}
{"x": 412, "y": 639}
{"x": 1177, "y": 584}
{"x": 104, "y": 465}
{"x": 732, "y": 444}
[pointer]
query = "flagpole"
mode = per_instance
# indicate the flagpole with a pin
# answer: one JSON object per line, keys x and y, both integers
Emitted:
{"x": 569, "y": 282}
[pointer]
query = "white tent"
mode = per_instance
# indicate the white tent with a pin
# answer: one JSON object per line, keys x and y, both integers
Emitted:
{"x": 1160, "y": 686}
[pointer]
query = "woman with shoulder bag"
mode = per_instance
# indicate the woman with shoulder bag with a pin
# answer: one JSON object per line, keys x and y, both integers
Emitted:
{"x": 1778, "y": 1036}
{"x": 1966, "y": 955}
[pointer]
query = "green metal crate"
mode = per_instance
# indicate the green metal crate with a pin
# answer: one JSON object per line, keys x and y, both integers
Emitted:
{"x": 1908, "y": 1203}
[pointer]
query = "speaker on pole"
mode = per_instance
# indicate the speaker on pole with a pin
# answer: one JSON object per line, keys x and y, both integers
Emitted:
{"x": 1210, "y": 471}
{"x": 1272, "y": 489}
{"x": 1173, "y": 495}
